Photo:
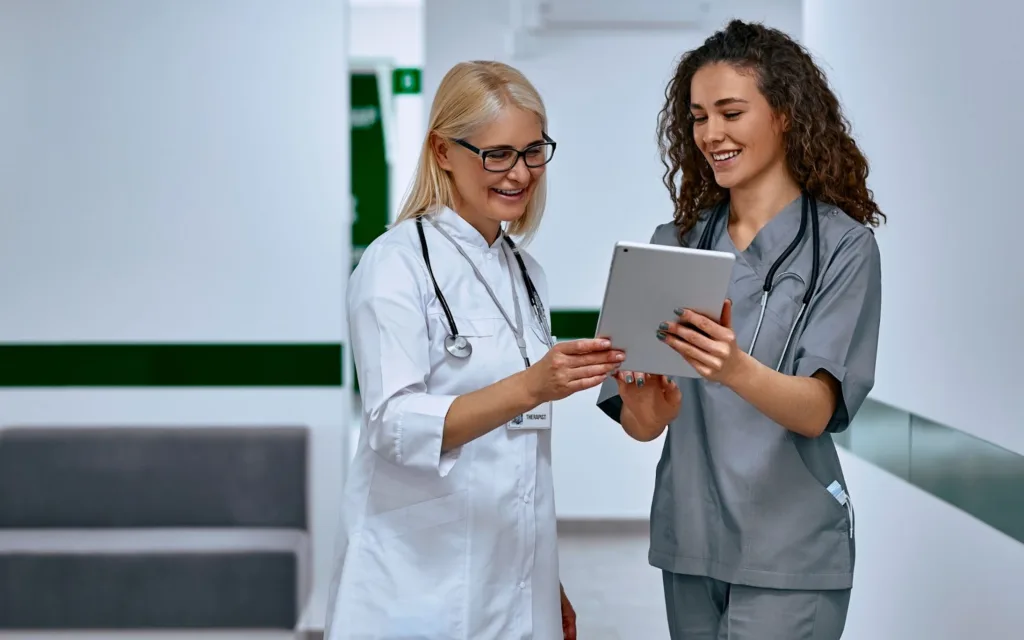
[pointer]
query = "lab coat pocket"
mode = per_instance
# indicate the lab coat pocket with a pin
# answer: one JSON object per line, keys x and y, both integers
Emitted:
{"x": 428, "y": 514}
{"x": 467, "y": 326}
{"x": 479, "y": 332}
{"x": 409, "y": 571}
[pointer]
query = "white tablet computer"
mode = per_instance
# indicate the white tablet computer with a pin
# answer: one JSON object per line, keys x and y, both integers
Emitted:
{"x": 646, "y": 284}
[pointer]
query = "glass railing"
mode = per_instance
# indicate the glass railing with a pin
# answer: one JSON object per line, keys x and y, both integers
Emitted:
{"x": 976, "y": 476}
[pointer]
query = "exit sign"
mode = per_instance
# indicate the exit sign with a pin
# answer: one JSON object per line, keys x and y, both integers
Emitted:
{"x": 405, "y": 81}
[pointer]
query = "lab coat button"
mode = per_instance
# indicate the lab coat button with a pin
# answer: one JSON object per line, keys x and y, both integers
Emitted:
{"x": 522, "y": 585}
{"x": 526, "y": 498}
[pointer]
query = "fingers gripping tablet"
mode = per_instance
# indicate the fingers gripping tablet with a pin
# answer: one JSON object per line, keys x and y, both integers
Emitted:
{"x": 646, "y": 284}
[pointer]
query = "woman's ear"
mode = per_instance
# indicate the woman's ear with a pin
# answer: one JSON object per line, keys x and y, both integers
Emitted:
{"x": 440, "y": 148}
{"x": 784, "y": 123}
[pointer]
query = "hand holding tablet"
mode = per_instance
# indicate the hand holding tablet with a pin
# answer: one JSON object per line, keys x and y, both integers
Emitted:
{"x": 649, "y": 285}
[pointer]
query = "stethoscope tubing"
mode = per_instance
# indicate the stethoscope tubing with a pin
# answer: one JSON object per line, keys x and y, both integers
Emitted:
{"x": 807, "y": 202}
{"x": 531, "y": 290}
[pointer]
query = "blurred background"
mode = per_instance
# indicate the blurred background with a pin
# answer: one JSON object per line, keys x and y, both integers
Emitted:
{"x": 186, "y": 184}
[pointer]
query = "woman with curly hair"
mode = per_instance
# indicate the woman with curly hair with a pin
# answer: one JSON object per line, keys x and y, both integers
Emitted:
{"x": 751, "y": 521}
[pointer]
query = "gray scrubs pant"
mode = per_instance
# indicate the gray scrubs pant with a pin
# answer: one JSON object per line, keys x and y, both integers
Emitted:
{"x": 706, "y": 609}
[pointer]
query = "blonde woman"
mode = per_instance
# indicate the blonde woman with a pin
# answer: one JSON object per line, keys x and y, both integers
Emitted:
{"x": 449, "y": 527}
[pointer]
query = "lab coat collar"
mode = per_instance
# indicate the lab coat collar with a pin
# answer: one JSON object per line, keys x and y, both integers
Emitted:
{"x": 465, "y": 233}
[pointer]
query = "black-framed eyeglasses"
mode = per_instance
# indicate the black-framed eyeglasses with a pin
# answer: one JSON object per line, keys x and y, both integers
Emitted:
{"x": 499, "y": 159}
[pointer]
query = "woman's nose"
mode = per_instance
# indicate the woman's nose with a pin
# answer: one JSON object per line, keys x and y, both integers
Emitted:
{"x": 713, "y": 132}
{"x": 519, "y": 171}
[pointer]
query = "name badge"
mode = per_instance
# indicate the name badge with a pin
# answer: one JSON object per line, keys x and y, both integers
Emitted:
{"x": 535, "y": 419}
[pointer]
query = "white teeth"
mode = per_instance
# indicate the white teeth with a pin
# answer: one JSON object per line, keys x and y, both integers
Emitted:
{"x": 725, "y": 156}
{"x": 506, "y": 192}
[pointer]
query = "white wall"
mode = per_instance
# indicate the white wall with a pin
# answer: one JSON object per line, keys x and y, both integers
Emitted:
{"x": 930, "y": 92}
{"x": 925, "y": 85}
{"x": 177, "y": 172}
{"x": 603, "y": 91}
{"x": 393, "y": 30}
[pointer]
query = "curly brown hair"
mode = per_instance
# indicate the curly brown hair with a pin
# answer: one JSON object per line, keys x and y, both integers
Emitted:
{"x": 822, "y": 156}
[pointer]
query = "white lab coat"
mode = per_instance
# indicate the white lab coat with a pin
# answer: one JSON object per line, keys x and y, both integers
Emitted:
{"x": 460, "y": 545}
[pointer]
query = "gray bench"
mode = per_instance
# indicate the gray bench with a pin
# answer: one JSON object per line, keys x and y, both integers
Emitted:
{"x": 153, "y": 528}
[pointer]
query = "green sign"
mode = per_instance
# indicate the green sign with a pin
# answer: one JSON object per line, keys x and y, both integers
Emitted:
{"x": 406, "y": 81}
{"x": 369, "y": 160}
{"x": 369, "y": 163}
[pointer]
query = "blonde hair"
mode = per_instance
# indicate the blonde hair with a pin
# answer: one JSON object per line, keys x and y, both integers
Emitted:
{"x": 472, "y": 95}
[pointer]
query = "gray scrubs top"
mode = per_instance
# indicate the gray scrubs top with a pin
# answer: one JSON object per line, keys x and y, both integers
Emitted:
{"x": 737, "y": 497}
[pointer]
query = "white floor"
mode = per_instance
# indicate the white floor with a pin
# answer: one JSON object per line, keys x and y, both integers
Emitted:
{"x": 616, "y": 594}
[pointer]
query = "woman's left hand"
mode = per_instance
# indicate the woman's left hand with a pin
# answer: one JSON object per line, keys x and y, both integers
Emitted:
{"x": 568, "y": 617}
{"x": 715, "y": 354}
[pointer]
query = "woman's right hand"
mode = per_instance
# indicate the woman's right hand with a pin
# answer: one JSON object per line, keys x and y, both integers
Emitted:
{"x": 571, "y": 366}
{"x": 654, "y": 400}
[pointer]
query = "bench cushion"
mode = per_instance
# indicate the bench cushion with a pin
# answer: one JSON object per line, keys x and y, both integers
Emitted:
{"x": 152, "y": 579}
{"x": 153, "y": 477}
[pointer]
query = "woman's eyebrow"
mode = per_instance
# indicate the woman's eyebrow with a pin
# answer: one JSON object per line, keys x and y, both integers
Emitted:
{"x": 720, "y": 102}
{"x": 508, "y": 146}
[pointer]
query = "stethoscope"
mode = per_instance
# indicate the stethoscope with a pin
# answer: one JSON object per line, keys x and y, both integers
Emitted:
{"x": 707, "y": 238}
{"x": 457, "y": 345}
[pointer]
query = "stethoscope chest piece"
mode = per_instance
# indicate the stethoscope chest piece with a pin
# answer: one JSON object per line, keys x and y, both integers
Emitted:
{"x": 458, "y": 346}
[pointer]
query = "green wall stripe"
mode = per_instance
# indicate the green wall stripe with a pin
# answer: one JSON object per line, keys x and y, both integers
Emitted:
{"x": 571, "y": 324}
{"x": 171, "y": 365}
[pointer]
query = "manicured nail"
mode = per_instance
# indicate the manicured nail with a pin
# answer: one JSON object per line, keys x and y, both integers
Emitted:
{"x": 629, "y": 378}
{"x": 679, "y": 312}
{"x": 661, "y": 336}
{"x": 640, "y": 382}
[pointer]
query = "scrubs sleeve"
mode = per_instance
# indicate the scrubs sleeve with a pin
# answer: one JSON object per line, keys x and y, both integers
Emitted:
{"x": 391, "y": 349}
{"x": 609, "y": 401}
{"x": 840, "y": 333}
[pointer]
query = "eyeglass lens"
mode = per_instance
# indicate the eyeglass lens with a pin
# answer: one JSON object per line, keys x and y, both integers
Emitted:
{"x": 503, "y": 159}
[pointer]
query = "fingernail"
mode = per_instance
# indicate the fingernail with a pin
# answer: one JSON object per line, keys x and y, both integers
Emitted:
{"x": 663, "y": 326}
{"x": 629, "y": 379}
{"x": 679, "y": 312}
{"x": 661, "y": 336}
{"x": 619, "y": 357}
{"x": 640, "y": 382}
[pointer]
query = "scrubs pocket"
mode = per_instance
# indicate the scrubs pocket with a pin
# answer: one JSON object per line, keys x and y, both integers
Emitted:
{"x": 780, "y": 312}
{"x": 820, "y": 490}
{"x": 799, "y": 525}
